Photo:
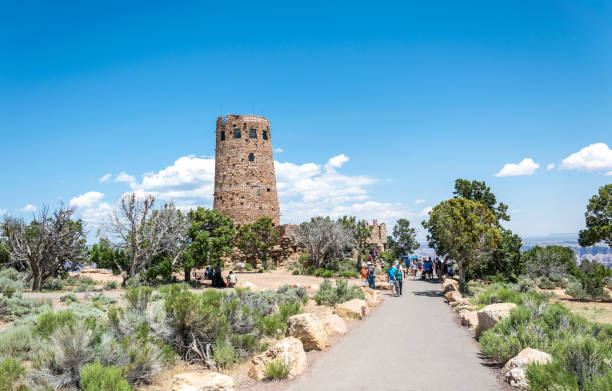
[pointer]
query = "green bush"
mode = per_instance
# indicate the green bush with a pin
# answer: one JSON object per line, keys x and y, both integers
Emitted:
{"x": 47, "y": 323}
{"x": 546, "y": 283}
{"x": 138, "y": 297}
{"x": 286, "y": 311}
{"x": 502, "y": 293}
{"x": 580, "y": 363}
{"x": 341, "y": 292}
{"x": 68, "y": 298}
{"x": 11, "y": 282}
{"x": 347, "y": 274}
{"x": 18, "y": 342}
{"x": 319, "y": 272}
{"x": 311, "y": 270}
{"x": 576, "y": 291}
{"x": 295, "y": 272}
{"x": 526, "y": 285}
{"x": 272, "y": 326}
{"x": 17, "y": 306}
{"x": 95, "y": 377}
{"x": 224, "y": 353}
{"x": 53, "y": 284}
{"x": 83, "y": 288}
{"x": 304, "y": 259}
{"x": 110, "y": 285}
{"x": 327, "y": 274}
{"x": 277, "y": 370}
{"x": 11, "y": 373}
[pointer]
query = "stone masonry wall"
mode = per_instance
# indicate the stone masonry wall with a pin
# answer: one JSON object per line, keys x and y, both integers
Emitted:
{"x": 245, "y": 181}
{"x": 379, "y": 236}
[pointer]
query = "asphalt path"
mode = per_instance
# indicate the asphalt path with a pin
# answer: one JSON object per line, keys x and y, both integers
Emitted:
{"x": 412, "y": 342}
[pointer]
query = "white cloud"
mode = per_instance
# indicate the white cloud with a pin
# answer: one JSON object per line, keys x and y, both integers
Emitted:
{"x": 105, "y": 178}
{"x": 91, "y": 208}
{"x": 29, "y": 208}
{"x": 337, "y": 161}
{"x": 595, "y": 157}
{"x": 419, "y": 201}
{"x": 3, "y": 211}
{"x": 525, "y": 167}
{"x": 550, "y": 167}
{"x": 609, "y": 173}
{"x": 278, "y": 150}
{"x": 124, "y": 177}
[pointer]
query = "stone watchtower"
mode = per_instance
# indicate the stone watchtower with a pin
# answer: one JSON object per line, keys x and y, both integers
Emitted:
{"x": 245, "y": 182}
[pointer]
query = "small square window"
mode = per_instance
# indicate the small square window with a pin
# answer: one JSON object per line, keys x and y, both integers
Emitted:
{"x": 222, "y": 135}
{"x": 251, "y": 157}
{"x": 237, "y": 133}
{"x": 268, "y": 189}
{"x": 252, "y": 133}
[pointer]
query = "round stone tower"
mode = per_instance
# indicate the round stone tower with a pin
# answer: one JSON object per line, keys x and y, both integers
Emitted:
{"x": 245, "y": 182}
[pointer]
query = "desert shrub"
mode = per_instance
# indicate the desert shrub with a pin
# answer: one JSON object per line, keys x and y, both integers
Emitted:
{"x": 327, "y": 274}
{"x": 11, "y": 282}
{"x": 351, "y": 274}
{"x": 575, "y": 290}
{"x": 47, "y": 323}
{"x": 53, "y": 284}
{"x": 11, "y": 373}
{"x": 18, "y": 342}
{"x": 138, "y": 297}
{"x": 224, "y": 354}
{"x": 272, "y": 326}
{"x": 277, "y": 369}
{"x": 110, "y": 285}
{"x": 319, "y": 272}
{"x": 593, "y": 278}
{"x": 546, "y": 283}
{"x": 581, "y": 363}
{"x": 305, "y": 259}
{"x": 295, "y": 272}
{"x": 100, "y": 301}
{"x": 83, "y": 288}
{"x": 536, "y": 325}
{"x": 288, "y": 310}
{"x": 260, "y": 270}
{"x": 341, "y": 292}
{"x": 68, "y": 298}
{"x": 502, "y": 293}
{"x": 17, "y": 306}
{"x": 311, "y": 270}
{"x": 525, "y": 285}
{"x": 95, "y": 377}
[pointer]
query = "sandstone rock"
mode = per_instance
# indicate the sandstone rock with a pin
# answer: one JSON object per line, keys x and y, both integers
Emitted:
{"x": 290, "y": 350}
{"x": 372, "y": 297}
{"x": 462, "y": 301}
{"x": 449, "y": 285}
{"x": 469, "y": 319}
{"x": 333, "y": 324}
{"x": 199, "y": 381}
{"x": 311, "y": 302}
{"x": 383, "y": 286}
{"x": 452, "y": 296}
{"x": 308, "y": 329}
{"x": 352, "y": 309}
{"x": 491, "y": 314}
{"x": 514, "y": 370}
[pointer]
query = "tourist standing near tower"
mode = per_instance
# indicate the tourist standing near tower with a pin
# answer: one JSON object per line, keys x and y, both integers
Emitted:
{"x": 245, "y": 181}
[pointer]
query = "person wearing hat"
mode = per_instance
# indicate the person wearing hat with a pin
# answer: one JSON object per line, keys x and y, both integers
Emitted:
{"x": 364, "y": 275}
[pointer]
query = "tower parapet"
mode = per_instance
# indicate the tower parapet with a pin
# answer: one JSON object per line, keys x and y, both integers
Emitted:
{"x": 245, "y": 181}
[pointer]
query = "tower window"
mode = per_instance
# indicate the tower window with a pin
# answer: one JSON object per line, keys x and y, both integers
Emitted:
{"x": 252, "y": 133}
{"x": 222, "y": 135}
{"x": 265, "y": 135}
{"x": 237, "y": 133}
{"x": 251, "y": 157}
{"x": 268, "y": 189}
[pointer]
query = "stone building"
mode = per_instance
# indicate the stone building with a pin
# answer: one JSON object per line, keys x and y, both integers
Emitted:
{"x": 378, "y": 237}
{"x": 245, "y": 181}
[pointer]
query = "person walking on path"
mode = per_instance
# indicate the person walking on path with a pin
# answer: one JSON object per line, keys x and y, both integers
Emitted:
{"x": 364, "y": 276}
{"x": 399, "y": 279}
{"x": 415, "y": 268}
{"x": 231, "y": 279}
{"x": 391, "y": 275}
{"x": 371, "y": 276}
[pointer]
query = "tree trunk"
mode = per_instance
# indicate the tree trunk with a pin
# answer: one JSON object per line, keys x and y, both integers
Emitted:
{"x": 187, "y": 274}
{"x": 36, "y": 283}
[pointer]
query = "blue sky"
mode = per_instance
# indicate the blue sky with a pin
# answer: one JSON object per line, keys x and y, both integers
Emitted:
{"x": 402, "y": 97}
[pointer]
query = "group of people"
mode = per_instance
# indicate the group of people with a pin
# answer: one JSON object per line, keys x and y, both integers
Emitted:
{"x": 425, "y": 266}
{"x": 217, "y": 281}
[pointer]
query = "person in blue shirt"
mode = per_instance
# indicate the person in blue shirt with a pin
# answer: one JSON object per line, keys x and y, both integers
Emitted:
{"x": 391, "y": 273}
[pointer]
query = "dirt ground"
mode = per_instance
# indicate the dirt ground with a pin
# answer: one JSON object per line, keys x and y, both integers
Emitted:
{"x": 597, "y": 311}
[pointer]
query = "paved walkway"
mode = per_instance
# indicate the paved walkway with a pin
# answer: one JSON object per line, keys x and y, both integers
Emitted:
{"x": 408, "y": 343}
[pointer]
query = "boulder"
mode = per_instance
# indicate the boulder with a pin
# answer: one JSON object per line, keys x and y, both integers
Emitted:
{"x": 462, "y": 301}
{"x": 308, "y": 329}
{"x": 452, "y": 296}
{"x": 199, "y": 381}
{"x": 352, "y": 309}
{"x": 384, "y": 286}
{"x": 290, "y": 350}
{"x": 449, "y": 285}
{"x": 514, "y": 370}
{"x": 372, "y": 297}
{"x": 490, "y": 315}
{"x": 469, "y": 319}
{"x": 332, "y": 323}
